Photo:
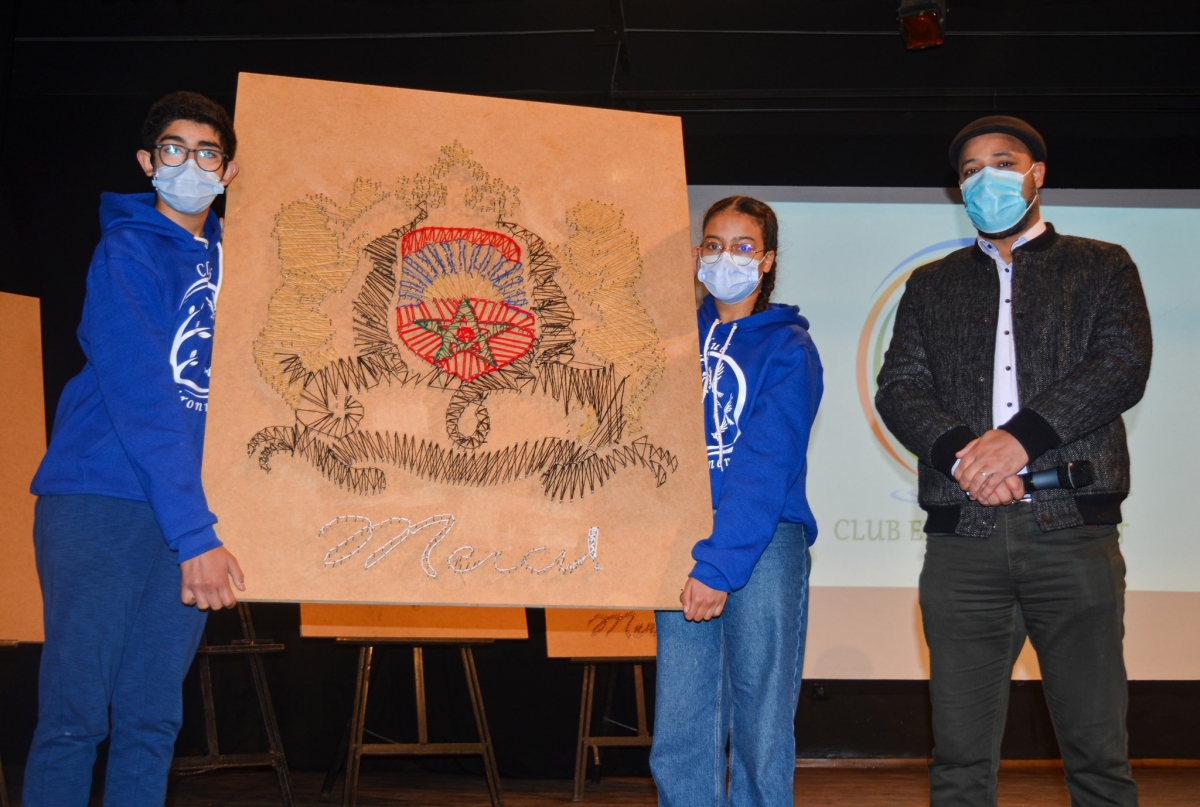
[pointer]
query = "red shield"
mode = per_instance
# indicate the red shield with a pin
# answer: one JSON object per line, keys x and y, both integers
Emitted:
{"x": 468, "y": 337}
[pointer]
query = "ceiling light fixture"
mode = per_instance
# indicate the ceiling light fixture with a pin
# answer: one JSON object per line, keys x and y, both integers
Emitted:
{"x": 921, "y": 22}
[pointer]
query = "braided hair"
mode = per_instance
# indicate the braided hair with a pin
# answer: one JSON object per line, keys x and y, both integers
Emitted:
{"x": 764, "y": 216}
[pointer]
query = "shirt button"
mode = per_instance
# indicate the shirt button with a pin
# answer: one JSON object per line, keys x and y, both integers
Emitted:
{"x": 1006, "y": 333}
{"x": 1008, "y": 301}
{"x": 1005, "y": 270}
{"x": 1010, "y": 403}
{"x": 1008, "y": 368}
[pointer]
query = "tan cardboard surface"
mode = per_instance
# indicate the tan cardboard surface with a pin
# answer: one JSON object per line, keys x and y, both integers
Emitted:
{"x": 411, "y": 622}
{"x": 457, "y": 354}
{"x": 578, "y": 633}
{"x": 22, "y": 444}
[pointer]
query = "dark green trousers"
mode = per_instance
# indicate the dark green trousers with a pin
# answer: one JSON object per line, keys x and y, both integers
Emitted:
{"x": 979, "y": 599}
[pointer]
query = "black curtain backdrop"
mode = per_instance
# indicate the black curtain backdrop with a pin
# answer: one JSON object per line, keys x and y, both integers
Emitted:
{"x": 778, "y": 92}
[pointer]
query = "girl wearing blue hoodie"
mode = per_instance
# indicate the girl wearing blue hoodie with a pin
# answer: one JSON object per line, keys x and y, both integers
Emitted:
{"x": 126, "y": 553}
{"x": 729, "y": 664}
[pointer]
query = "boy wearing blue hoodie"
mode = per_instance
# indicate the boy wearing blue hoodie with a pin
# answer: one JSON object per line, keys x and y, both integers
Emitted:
{"x": 126, "y": 553}
{"x": 729, "y": 663}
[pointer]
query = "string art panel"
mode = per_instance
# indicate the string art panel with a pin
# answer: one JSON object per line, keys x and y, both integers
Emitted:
{"x": 456, "y": 359}
{"x": 22, "y": 444}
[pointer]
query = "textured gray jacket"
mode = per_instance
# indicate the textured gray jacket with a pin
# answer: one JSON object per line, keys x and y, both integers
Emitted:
{"x": 1083, "y": 343}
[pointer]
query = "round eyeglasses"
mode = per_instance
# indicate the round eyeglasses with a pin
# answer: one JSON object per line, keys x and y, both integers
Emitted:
{"x": 740, "y": 254}
{"x": 173, "y": 154}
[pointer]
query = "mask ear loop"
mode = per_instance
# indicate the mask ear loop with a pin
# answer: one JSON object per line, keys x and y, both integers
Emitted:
{"x": 1029, "y": 206}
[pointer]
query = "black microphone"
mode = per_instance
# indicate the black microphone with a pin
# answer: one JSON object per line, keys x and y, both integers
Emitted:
{"x": 1072, "y": 476}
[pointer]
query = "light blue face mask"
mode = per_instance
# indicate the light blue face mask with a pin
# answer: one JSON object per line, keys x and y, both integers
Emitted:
{"x": 728, "y": 282}
{"x": 187, "y": 188}
{"x": 993, "y": 199}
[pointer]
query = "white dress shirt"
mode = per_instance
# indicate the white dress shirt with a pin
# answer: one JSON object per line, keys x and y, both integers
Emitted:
{"x": 1006, "y": 399}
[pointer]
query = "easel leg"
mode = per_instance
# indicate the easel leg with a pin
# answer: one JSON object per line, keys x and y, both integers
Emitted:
{"x": 211, "y": 742}
{"x": 585, "y": 729}
{"x": 610, "y": 692}
{"x": 485, "y": 736}
{"x": 419, "y": 682}
{"x": 358, "y": 724}
{"x": 639, "y": 685}
{"x": 3, "y": 787}
{"x": 258, "y": 671}
{"x": 339, "y": 759}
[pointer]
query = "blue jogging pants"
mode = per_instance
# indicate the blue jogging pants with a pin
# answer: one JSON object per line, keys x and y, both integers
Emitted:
{"x": 118, "y": 644}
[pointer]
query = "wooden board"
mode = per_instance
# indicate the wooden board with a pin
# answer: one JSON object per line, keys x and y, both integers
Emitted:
{"x": 457, "y": 358}
{"x": 22, "y": 444}
{"x": 588, "y": 633}
{"x": 411, "y": 622}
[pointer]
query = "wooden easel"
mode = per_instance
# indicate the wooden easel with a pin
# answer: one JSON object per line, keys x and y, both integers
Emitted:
{"x": 419, "y": 627}
{"x": 4, "y": 785}
{"x": 641, "y": 738}
{"x": 354, "y": 749}
{"x": 252, "y": 648}
{"x": 592, "y": 638}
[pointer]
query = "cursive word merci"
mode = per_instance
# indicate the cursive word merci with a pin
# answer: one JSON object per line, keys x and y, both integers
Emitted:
{"x": 377, "y": 540}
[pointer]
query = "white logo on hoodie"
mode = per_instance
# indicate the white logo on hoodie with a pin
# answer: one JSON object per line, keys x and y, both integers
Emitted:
{"x": 191, "y": 350}
{"x": 725, "y": 405}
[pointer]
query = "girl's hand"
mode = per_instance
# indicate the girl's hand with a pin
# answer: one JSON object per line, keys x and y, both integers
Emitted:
{"x": 701, "y": 603}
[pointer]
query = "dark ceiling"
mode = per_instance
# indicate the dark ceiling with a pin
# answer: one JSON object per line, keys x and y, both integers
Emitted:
{"x": 808, "y": 92}
{"x": 771, "y": 92}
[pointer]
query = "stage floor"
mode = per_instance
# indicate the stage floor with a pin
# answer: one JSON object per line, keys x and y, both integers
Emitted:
{"x": 838, "y": 787}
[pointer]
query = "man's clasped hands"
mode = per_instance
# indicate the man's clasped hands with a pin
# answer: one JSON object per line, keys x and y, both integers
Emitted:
{"x": 988, "y": 467}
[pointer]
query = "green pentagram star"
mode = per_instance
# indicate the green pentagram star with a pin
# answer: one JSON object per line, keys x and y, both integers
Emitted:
{"x": 464, "y": 333}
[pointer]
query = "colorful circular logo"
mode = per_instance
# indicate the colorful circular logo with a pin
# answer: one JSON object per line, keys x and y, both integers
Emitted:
{"x": 877, "y": 333}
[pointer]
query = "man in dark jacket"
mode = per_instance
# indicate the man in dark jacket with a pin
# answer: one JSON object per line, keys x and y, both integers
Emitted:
{"x": 1020, "y": 353}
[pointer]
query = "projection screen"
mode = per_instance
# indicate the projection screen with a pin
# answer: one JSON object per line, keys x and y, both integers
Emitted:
{"x": 844, "y": 256}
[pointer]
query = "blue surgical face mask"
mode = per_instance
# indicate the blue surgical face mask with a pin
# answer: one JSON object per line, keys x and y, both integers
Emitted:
{"x": 993, "y": 199}
{"x": 728, "y": 282}
{"x": 187, "y": 188}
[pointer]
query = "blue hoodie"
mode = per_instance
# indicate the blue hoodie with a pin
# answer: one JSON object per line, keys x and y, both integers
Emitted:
{"x": 762, "y": 387}
{"x": 131, "y": 424}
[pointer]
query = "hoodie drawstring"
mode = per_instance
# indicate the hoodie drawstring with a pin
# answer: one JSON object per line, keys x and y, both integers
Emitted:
{"x": 220, "y": 276}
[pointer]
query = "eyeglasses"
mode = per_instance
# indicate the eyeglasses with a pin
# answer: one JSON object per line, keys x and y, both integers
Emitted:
{"x": 740, "y": 254}
{"x": 208, "y": 159}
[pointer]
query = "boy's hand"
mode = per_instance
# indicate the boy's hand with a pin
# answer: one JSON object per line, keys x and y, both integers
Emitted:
{"x": 701, "y": 603}
{"x": 206, "y": 580}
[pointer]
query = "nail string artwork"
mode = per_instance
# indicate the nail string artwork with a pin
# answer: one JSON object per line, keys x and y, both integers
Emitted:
{"x": 479, "y": 311}
{"x": 460, "y": 561}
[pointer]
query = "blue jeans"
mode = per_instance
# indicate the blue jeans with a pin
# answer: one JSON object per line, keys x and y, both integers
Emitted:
{"x": 118, "y": 644}
{"x": 735, "y": 680}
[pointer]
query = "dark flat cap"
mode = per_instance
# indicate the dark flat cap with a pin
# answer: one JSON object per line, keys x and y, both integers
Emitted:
{"x": 1001, "y": 124}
